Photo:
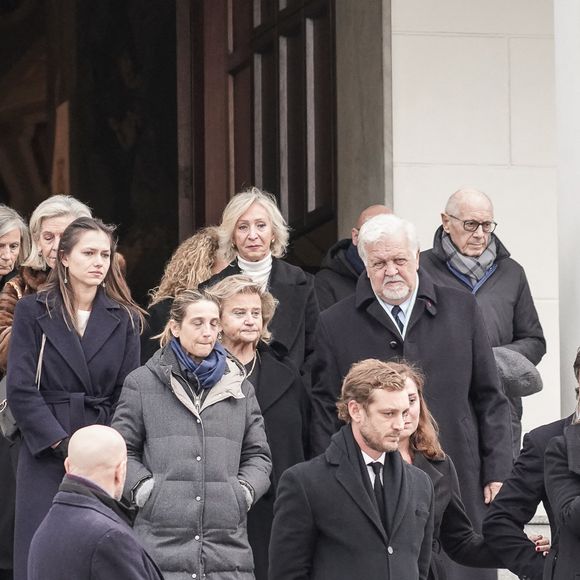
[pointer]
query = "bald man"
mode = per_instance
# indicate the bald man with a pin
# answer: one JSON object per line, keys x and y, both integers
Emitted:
{"x": 86, "y": 535}
{"x": 342, "y": 265}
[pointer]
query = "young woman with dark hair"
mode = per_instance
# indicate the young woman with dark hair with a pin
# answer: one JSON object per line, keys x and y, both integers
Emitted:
{"x": 72, "y": 345}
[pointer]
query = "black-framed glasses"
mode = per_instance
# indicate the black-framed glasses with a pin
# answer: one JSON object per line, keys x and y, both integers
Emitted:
{"x": 473, "y": 225}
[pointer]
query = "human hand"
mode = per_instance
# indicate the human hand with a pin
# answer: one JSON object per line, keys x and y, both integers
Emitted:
{"x": 491, "y": 490}
{"x": 541, "y": 543}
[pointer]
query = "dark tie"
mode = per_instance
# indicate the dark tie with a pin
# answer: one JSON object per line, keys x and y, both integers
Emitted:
{"x": 396, "y": 310}
{"x": 377, "y": 467}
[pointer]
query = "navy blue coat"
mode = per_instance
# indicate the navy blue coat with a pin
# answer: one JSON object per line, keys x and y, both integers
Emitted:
{"x": 84, "y": 539}
{"x": 447, "y": 338}
{"x": 80, "y": 383}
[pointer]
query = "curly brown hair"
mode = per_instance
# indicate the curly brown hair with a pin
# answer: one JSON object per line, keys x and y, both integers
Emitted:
{"x": 190, "y": 265}
{"x": 425, "y": 440}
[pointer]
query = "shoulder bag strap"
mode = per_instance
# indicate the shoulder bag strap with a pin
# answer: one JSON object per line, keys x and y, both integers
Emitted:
{"x": 39, "y": 365}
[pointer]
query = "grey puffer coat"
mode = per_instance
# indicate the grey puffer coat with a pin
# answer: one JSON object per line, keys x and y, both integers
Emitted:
{"x": 194, "y": 522}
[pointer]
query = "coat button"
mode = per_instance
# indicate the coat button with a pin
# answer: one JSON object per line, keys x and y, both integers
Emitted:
{"x": 194, "y": 575}
{"x": 390, "y": 550}
{"x": 196, "y": 538}
{"x": 198, "y": 458}
{"x": 393, "y": 344}
{"x": 199, "y": 420}
{"x": 198, "y": 498}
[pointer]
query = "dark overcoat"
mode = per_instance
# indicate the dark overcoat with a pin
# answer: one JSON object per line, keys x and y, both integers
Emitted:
{"x": 80, "y": 383}
{"x": 327, "y": 526}
{"x": 285, "y": 406}
{"x": 517, "y": 501}
{"x": 336, "y": 278}
{"x": 562, "y": 478}
{"x": 84, "y": 539}
{"x": 452, "y": 530}
{"x": 446, "y": 337}
{"x": 296, "y": 315}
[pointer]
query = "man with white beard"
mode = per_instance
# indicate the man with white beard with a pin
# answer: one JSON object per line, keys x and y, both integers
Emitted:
{"x": 398, "y": 312}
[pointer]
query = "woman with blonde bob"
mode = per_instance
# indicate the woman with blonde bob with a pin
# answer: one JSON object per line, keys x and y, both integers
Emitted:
{"x": 196, "y": 260}
{"x": 47, "y": 223}
{"x": 246, "y": 309}
{"x": 198, "y": 458}
{"x": 73, "y": 343}
{"x": 419, "y": 445}
{"x": 254, "y": 236}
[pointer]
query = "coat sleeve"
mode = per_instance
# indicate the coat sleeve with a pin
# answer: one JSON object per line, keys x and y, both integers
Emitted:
{"x": 129, "y": 421}
{"x": 490, "y": 406}
{"x": 562, "y": 486}
{"x": 458, "y": 538}
{"x": 426, "y": 551}
{"x": 8, "y": 299}
{"x": 326, "y": 382}
{"x": 38, "y": 425}
{"x": 513, "y": 508}
{"x": 294, "y": 532}
{"x": 255, "y": 458}
{"x": 324, "y": 292}
{"x": 528, "y": 336}
{"x": 131, "y": 355}
{"x": 116, "y": 555}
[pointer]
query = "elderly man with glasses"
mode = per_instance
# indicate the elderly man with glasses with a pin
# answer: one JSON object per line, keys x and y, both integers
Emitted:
{"x": 467, "y": 254}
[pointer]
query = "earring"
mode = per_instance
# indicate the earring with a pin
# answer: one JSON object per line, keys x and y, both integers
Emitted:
{"x": 104, "y": 284}
{"x": 220, "y": 335}
{"x": 65, "y": 275}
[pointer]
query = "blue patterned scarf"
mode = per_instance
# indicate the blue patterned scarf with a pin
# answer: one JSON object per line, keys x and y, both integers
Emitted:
{"x": 208, "y": 372}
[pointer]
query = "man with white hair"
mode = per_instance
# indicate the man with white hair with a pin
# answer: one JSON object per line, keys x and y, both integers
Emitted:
{"x": 398, "y": 312}
{"x": 467, "y": 255}
{"x": 86, "y": 535}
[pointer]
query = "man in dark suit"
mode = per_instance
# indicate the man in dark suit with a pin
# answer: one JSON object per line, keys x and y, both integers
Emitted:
{"x": 518, "y": 500}
{"x": 398, "y": 312}
{"x": 358, "y": 511}
{"x": 86, "y": 534}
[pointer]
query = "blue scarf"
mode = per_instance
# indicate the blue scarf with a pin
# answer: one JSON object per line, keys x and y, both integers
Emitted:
{"x": 354, "y": 259}
{"x": 208, "y": 372}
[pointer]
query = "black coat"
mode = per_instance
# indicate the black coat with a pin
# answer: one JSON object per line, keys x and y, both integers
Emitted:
{"x": 326, "y": 526}
{"x": 562, "y": 477}
{"x": 504, "y": 298}
{"x": 296, "y": 316}
{"x": 154, "y": 325}
{"x": 80, "y": 383}
{"x": 336, "y": 278}
{"x": 84, "y": 539}
{"x": 516, "y": 503}
{"x": 446, "y": 337}
{"x": 453, "y": 530}
{"x": 285, "y": 406}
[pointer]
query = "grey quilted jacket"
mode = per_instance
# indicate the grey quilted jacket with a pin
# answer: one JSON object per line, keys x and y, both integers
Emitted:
{"x": 194, "y": 522}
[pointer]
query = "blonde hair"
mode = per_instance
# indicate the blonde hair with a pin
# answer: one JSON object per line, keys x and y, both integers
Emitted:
{"x": 362, "y": 380}
{"x": 237, "y": 206}
{"x": 190, "y": 265}
{"x": 179, "y": 309}
{"x": 10, "y": 220}
{"x": 54, "y": 206}
{"x": 425, "y": 440}
{"x": 234, "y": 285}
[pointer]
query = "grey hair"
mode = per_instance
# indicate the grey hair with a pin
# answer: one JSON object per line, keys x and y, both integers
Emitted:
{"x": 54, "y": 206}
{"x": 237, "y": 206}
{"x": 382, "y": 227}
{"x": 453, "y": 205}
{"x": 10, "y": 220}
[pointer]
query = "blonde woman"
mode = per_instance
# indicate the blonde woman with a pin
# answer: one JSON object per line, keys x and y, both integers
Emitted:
{"x": 254, "y": 236}
{"x": 196, "y": 260}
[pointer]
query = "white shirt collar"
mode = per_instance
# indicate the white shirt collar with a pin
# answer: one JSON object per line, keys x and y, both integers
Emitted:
{"x": 368, "y": 459}
{"x": 406, "y": 307}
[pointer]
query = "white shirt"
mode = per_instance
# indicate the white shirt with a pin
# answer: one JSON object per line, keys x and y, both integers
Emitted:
{"x": 406, "y": 308}
{"x": 82, "y": 320}
{"x": 368, "y": 459}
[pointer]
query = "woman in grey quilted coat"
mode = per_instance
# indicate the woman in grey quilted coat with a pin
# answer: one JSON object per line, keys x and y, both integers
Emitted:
{"x": 198, "y": 455}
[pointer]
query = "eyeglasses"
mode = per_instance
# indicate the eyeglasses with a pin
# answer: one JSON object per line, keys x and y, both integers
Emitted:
{"x": 472, "y": 225}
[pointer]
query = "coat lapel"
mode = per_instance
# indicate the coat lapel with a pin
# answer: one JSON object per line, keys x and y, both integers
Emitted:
{"x": 365, "y": 299}
{"x": 275, "y": 379}
{"x": 64, "y": 340}
{"x": 102, "y": 323}
{"x": 426, "y": 301}
{"x": 402, "y": 503}
{"x": 349, "y": 476}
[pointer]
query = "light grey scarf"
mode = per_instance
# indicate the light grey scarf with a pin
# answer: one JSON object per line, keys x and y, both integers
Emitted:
{"x": 473, "y": 268}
